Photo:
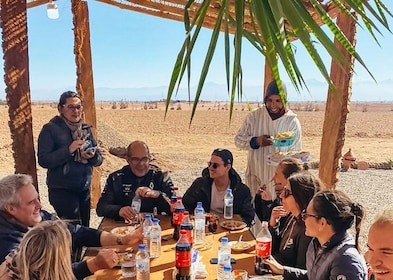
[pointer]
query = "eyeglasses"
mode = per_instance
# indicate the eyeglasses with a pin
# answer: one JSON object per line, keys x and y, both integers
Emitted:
{"x": 305, "y": 215}
{"x": 214, "y": 165}
{"x": 73, "y": 107}
{"x": 135, "y": 160}
{"x": 286, "y": 192}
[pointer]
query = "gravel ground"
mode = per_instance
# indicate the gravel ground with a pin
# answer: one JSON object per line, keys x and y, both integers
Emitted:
{"x": 369, "y": 188}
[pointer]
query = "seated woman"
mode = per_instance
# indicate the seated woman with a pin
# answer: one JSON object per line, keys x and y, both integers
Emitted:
{"x": 43, "y": 254}
{"x": 211, "y": 188}
{"x": 289, "y": 241}
{"x": 333, "y": 253}
{"x": 263, "y": 199}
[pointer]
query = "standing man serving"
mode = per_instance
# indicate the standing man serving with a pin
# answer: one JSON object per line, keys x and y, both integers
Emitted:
{"x": 66, "y": 147}
{"x": 254, "y": 136}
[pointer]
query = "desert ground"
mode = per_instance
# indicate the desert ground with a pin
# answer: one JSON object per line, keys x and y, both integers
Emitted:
{"x": 184, "y": 149}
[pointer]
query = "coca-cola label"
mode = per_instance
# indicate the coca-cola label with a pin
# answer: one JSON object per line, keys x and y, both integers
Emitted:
{"x": 263, "y": 248}
{"x": 177, "y": 218}
{"x": 183, "y": 258}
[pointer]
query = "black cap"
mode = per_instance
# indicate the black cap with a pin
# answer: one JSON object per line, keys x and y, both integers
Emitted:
{"x": 225, "y": 155}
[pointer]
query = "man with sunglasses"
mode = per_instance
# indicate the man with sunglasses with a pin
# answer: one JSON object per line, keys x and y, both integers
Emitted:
{"x": 139, "y": 177}
{"x": 211, "y": 188}
{"x": 66, "y": 147}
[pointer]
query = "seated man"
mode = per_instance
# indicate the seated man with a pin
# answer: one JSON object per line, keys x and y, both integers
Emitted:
{"x": 380, "y": 246}
{"x": 210, "y": 189}
{"x": 20, "y": 209}
{"x": 138, "y": 177}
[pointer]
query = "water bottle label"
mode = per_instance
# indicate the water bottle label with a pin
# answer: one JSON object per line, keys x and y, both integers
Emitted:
{"x": 142, "y": 265}
{"x": 183, "y": 259}
{"x": 263, "y": 249}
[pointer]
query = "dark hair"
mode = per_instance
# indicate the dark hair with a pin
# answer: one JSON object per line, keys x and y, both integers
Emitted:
{"x": 291, "y": 166}
{"x": 304, "y": 185}
{"x": 225, "y": 155}
{"x": 64, "y": 96}
{"x": 339, "y": 211}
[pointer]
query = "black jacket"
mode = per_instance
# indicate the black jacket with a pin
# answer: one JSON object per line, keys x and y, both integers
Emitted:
{"x": 263, "y": 208}
{"x": 120, "y": 189}
{"x": 201, "y": 189}
{"x": 63, "y": 171}
{"x": 11, "y": 234}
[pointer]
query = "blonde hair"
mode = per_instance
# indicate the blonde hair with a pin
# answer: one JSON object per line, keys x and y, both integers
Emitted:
{"x": 45, "y": 253}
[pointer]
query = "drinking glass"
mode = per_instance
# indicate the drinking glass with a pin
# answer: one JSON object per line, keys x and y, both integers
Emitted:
{"x": 128, "y": 269}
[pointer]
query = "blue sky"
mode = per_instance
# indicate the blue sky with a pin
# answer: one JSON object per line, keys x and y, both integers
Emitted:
{"x": 133, "y": 50}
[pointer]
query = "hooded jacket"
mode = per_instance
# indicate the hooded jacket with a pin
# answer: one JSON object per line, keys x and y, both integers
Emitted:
{"x": 201, "y": 190}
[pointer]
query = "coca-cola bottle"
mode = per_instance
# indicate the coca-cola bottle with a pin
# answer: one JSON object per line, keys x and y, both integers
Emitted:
{"x": 183, "y": 257}
{"x": 187, "y": 226}
{"x": 263, "y": 249}
{"x": 172, "y": 206}
{"x": 178, "y": 210}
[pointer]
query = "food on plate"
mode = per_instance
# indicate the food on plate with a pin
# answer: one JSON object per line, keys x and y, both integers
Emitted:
{"x": 240, "y": 246}
{"x": 286, "y": 134}
{"x": 123, "y": 230}
{"x": 233, "y": 225}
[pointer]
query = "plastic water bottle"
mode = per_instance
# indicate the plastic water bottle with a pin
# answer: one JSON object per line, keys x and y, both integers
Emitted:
{"x": 263, "y": 249}
{"x": 228, "y": 204}
{"x": 142, "y": 263}
{"x": 136, "y": 206}
{"x": 224, "y": 256}
{"x": 199, "y": 216}
{"x": 147, "y": 223}
{"x": 155, "y": 239}
{"x": 227, "y": 275}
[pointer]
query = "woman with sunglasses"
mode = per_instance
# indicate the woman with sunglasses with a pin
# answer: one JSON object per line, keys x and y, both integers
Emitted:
{"x": 333, "y": 252}
{"x": 66, "y": 147}
{"x": 263, "y": 201}
{"x": 289, "y": 244}
{"x": 211, "y": 188}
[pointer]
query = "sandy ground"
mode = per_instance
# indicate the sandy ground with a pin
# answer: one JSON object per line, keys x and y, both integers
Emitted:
{"x": 184, "y": 150}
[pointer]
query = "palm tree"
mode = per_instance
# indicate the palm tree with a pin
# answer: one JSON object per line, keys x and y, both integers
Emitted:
{"x": 270, "y": 26}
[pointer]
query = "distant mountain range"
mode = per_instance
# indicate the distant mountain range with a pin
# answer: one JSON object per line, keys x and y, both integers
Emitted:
{"x": 362, "y": 91}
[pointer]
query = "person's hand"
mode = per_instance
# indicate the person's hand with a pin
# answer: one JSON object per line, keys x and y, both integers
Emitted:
{"x": 133, "y": 237}
{"x": 75, "y": 145}
{"x": 88, "y": 154}
{"x": 127, "y": 213}
{"x": 264, "y": 193}
{"x": 264, "y": 140}
{"x": 275, "y": 267}
{"x": 106, "y": 258}
{"x": 147, "y": 192}
{"x": 277, "y": 213}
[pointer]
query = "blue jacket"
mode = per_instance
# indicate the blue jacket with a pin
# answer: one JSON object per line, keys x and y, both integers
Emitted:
{"x": 11, "y": 234}
{"x": 201, "y": 190}
{"x": 63, "y": 171}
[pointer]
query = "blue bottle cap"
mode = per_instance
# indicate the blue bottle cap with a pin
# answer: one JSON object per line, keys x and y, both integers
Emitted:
{"x": 141, "y": 246}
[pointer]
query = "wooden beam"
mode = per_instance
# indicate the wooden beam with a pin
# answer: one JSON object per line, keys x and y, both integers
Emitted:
{"x": 84, "y": 83}
{"x": 16, "y": 78}
{"x": 337, "y": 108}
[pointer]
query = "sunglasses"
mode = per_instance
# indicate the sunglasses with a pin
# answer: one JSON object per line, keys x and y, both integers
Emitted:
{"x": 214, "y": 165}
{"x": 74, "y": 107}
{"x": 286, "y": 192}
{"x": 305, "y": 215}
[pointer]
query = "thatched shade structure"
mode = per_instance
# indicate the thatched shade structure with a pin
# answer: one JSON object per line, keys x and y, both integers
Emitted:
{"x": 14, "y": 26}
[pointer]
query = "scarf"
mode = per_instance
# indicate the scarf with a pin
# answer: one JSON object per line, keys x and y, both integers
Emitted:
{"x": 78, "y": 134}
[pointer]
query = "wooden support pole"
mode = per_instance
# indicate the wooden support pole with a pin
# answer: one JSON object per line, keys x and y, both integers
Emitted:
{"x": 16, "y": 78}
{"x": 84, "y": 83}
{"x": 337, "y": 108}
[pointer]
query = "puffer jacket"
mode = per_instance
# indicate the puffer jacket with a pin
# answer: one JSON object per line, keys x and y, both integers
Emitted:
{"x": 201, "y": 189}
{"x": 63, "y": 171}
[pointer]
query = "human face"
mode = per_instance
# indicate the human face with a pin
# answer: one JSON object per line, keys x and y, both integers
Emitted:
{"x": 27, "y": 211}
{"x": 288, "y": 201}
{"x": 139, "y": 159}
{"x": 380, "y": 250}
{"x": 311, "y": 221}
{"x": 72, "y": 109}
{"x": 274, "y": 104}
{"x": 279, "y": 179}
{"x": 220, "y": 170}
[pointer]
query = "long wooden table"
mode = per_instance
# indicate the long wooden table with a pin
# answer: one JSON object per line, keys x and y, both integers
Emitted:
{"x": 162, "y": 267}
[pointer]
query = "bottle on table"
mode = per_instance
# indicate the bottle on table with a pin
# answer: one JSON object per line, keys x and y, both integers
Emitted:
{"x": 228, "y": 204}
{"x": 172, "y": 206}
{"x": 183, "y": 257}
{"x": 136, "y": 206}
{"x": 187, "y": 226}
{"x": 178, "y": 210}
{"x": 147, "y": 224}
{"x": 263, "y": 249}
{"x": 155, "y": 239}
{"x": 224, "y": 256}
{"x": 200, "y": 222}
{"x": 227, "y": 275}
{"x": 142, "y": 260}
